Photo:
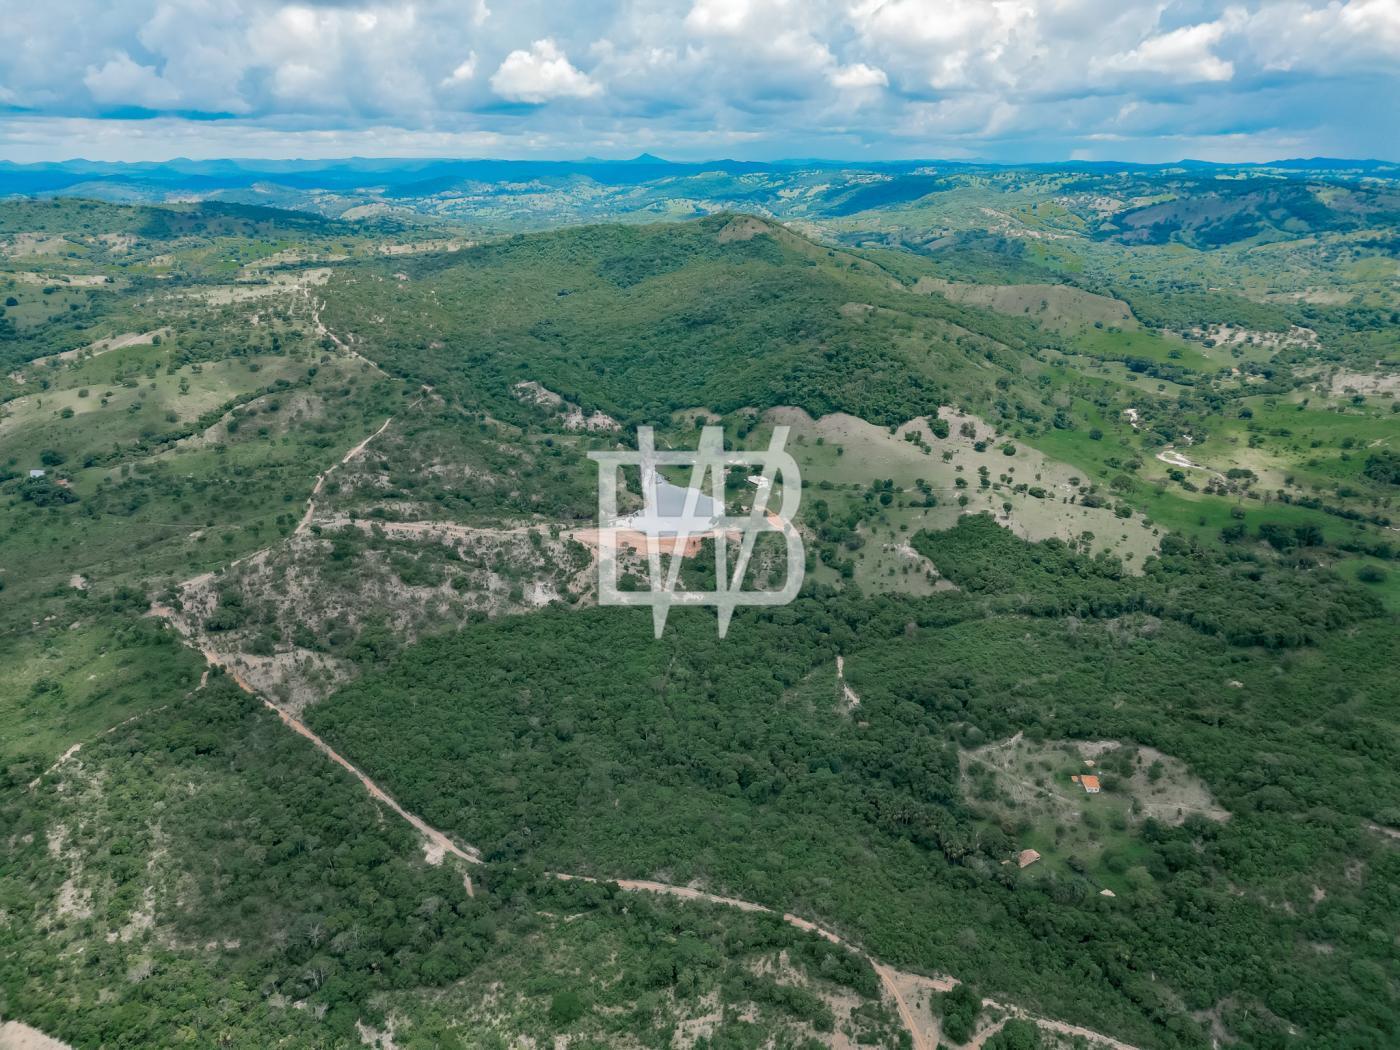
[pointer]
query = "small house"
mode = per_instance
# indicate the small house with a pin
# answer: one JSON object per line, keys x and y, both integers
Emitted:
{"x": 1088, "y": 782}
{"x": 1027, "y": 857}
{"x": 36, "y": 473}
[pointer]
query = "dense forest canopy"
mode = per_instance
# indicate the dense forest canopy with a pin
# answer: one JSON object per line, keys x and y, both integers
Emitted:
{"x": 724, "y": 313}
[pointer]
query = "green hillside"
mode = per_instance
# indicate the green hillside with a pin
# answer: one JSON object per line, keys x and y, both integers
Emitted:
{"x": 638, "y": 322}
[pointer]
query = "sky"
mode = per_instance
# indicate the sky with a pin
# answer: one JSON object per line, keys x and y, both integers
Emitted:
{"x": 1004, "y": 80}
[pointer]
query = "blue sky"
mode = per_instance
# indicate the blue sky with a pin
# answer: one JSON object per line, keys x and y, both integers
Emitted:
{"x": 1007, "y": 80}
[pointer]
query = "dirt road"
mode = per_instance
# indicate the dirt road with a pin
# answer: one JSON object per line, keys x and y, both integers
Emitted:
{"x": 321, "y": 478}
{"x": 322, "y": 330}
{"x": 435, "y": 837}
{"x": 106, "y": 732}
{"x": 899, "y": 985}
{"x": 889, "y": 977}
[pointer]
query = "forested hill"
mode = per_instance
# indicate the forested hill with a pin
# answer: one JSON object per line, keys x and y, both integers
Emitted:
{"x": 208, "y": 219}
{"x": 722, "y": 312}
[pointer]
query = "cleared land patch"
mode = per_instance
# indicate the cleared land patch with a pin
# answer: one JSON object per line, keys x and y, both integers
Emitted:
{"x": 1056, "y": 306}
{"x": 1076, "y": 802}
{"x": 934, "y": 481}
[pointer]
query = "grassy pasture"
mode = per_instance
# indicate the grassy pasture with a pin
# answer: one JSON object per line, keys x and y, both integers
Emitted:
{"x": 129, "y": 395}
{"x": 842, "y": 456}
{"x": 79, "y": 674}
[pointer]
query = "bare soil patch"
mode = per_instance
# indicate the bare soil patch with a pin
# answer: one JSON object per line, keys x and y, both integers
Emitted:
{"x": 71, "y": 280}
{"x": 14, "y": 1035}
{"x": 744, "y": 228}
{"x": 25, "y": 244}
{"x": 571, "y": 416}
{"x": 1345, "y": 381}
{"x": 103, "y": 346}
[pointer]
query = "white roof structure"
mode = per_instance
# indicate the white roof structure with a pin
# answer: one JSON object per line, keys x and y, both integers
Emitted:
{"x": 667, "y": 516}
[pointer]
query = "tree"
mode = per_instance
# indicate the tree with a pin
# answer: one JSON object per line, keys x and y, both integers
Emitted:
{"x": 1016, "y": 1035}
{"x": 960, "y": 1008}
{"x": 565, "y": 1008}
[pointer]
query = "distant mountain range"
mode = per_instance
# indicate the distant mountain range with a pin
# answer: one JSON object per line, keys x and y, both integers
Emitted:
{"x": 516, "y": 194}
{"x": 354, "y": 172}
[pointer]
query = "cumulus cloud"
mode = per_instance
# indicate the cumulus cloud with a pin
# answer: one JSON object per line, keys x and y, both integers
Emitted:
{"x": 122, "y": 82}
{"x": 1363, "y": 35}
{"x": 723, "y": 16}
{"x": 858, "y": 76}
{"x": 1183, "y": 54}
{"x": 774, "y": 75}
{"x": 954, "y": 45}
{"x": 540, "y": 74}
{"x": 464, "y": 72}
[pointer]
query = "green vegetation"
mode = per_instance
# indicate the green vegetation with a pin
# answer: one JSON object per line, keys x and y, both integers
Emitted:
{"x": 200, "y": 871}
{"x": 641, "y": 322}
{"x": 1100, "y": 473}
{"x": 676, "y": 756}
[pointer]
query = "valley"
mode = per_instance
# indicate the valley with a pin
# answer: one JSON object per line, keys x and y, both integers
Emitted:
{"x": 313, "y": 709}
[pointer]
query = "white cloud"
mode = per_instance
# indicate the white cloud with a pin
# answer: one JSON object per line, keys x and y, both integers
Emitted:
{"x": 540, "y": 74}
{"x": 1336, "y": 39}
{"x": 783, "y": 31}
{"x": 123, "y": 82}
{"x": 958, "y": 117}
{"x": 201, "y": 51}
{"x": 464, "y": 72}
{"x": 728, "y": 17}
{"x": 953, "y": 44}
{"x": 859, "y": 76}
{"x": 946, "y": 73}
{"x": 754, "y": 54}
{"x": 1184, "y": 55}
{"x": 366, "y": 61}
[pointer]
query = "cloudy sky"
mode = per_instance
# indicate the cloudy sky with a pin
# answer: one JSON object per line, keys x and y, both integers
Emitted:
{"x": 693, "y": 79}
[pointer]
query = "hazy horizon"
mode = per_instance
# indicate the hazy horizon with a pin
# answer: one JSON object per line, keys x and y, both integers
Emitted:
{"x": 645, "y": 157}
{"x": 1026, "y": 82}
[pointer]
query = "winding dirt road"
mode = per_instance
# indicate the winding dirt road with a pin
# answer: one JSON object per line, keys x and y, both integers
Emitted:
{"x": 321, "y": 478}
{"x": 890, "y": 978}
{"x": 322, "y": 330}
{"x": 897, "y": 984}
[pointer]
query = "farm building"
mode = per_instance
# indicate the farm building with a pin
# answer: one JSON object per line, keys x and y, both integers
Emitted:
{"x": 1088, "y": 782}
